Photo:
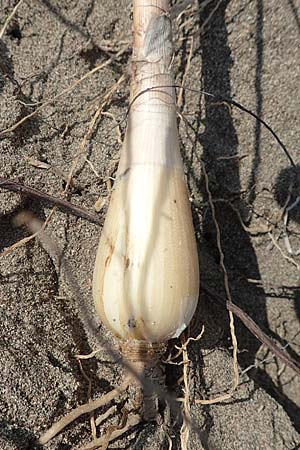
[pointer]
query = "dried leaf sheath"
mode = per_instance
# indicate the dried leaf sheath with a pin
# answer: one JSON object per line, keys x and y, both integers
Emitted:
{"x": 146, "y": 276}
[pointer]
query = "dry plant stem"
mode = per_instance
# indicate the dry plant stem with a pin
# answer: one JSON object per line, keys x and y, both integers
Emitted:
{"x": 88, "y": 135}
{"x": 279, "y": 352}
{"x": 15, "y": 186}
{"x": 56, "y": 97}
{"x": 179, "y": 7}
{"x": 211, "y": 14}
{"x": 143, "y": 359}
{"x": 170, "y": 442}
{"x": 9, "y": 18}
{"x": 255, "y": 330}
{"x": 285, "y": 223}
{"x": 288, "y": 258}
{"x": 125, "y": 420}
{"x": 117, "y": 125}
{"x": 83, "y": 409}
{"x": 89, "y": 355}
{"x": 228, "y": 294}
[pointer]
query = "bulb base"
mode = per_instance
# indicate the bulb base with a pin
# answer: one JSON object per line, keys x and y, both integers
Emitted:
{"x": 147, "y": 353}
{"x": 145, "y": 358}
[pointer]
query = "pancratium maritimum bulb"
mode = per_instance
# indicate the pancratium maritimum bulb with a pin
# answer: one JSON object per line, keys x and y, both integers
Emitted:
{"x": 146, "y": 277}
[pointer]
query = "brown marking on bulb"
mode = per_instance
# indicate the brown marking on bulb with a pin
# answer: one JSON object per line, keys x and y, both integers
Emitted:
{"x": 99, "y": 301}
{"x": 109, "y": 247}
{"x": 175, "y": 201}
{"x": 126, "y": 257}
{"x": 108, "y": 258}
{"x": 131, "y": 323}
{"x": 123, "y": 174}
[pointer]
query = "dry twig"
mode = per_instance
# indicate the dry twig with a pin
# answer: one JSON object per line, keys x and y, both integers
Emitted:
{"x": 91, "y": 127}
{"x": 229, "y": 300}
{"x": 103, "y": 417}
{"x": 288, "y": 258}
{"x": 255, "y": 330}
{"x": 9, "y": 18}
{"x": 15, "y": 186}
{"x": 56, "y": 97}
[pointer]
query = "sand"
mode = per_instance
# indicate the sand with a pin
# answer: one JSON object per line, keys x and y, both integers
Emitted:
{"x": 248, "y": 51}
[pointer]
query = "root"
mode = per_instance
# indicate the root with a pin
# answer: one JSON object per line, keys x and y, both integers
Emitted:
{"x": 229, "y": 301}
{"x": 83, "y": 409}
{"x": 144, "y": 358}
{"x": 89, "y": 356}
{"x": 92, "y": 416}
{"x": 186, "y": 409}
{"x": 113, "y": 433}
{"x": 100, "y": 419}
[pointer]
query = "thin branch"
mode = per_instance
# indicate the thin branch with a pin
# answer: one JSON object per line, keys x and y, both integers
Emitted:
{"x": 214, "y": 10}
{"x": 255, "y": 330}
{"x": 228, "y": 295}
{"x": 91, "y": 127}
{"x": 15, "y": 186}
{"x": 103, "y": 417}
{"x": 288, "y": 258}
{"x": 11, "y": 15}
{"x": 56, "y": 97}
